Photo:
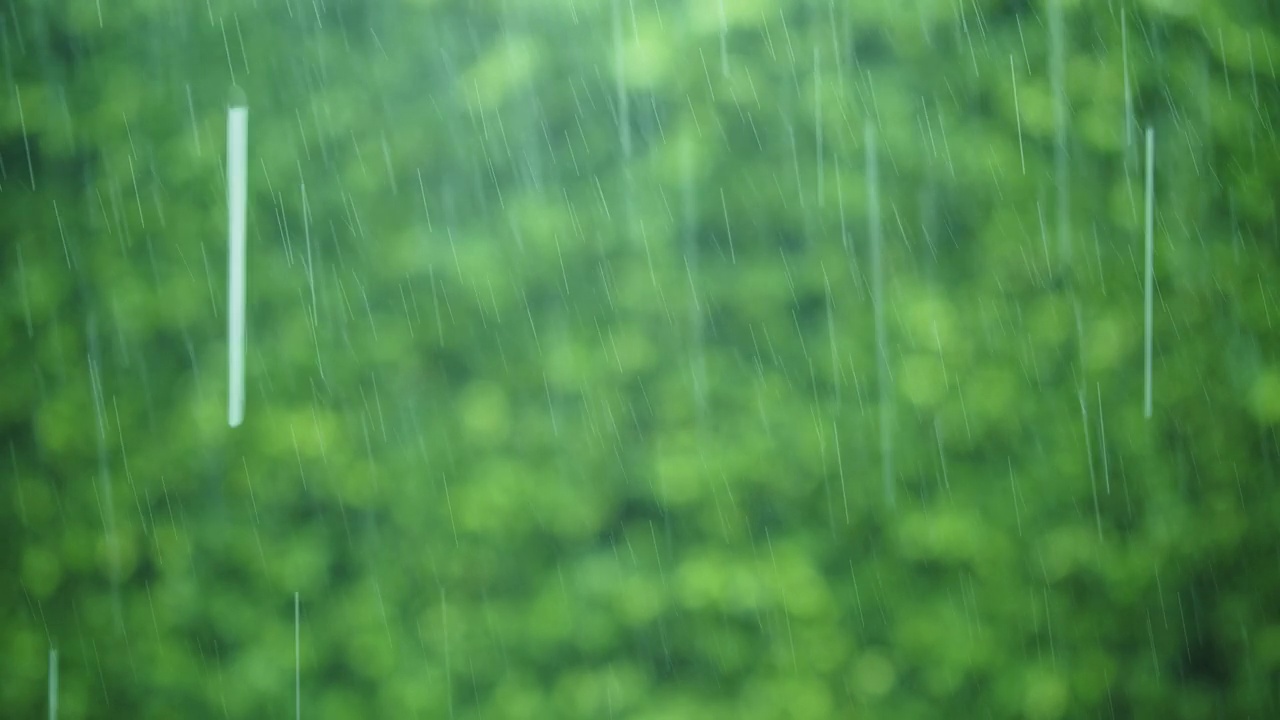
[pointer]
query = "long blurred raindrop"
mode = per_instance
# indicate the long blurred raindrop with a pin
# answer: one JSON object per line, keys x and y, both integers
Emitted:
{"x": 1149, "y": 300}
{"x": 237, "y": 201}
{"x": 877, "y": 292}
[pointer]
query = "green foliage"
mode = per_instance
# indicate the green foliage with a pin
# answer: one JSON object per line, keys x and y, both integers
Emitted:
{"x": 556, "y": 415}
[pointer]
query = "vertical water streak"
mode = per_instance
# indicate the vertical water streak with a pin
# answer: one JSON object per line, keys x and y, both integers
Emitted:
{"x": 53, "y": 683}
{"x": 1061, "y": 121}
{"x": 104, "y": 488}
{"x": 698, "y": 361}
{"x": 237, "y": 202}
{"x": 1149, "y": 290}
{"x": 297, "y": 658}
{"x": 877, "y": 301}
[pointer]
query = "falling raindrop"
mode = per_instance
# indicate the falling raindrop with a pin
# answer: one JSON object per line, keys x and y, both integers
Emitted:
{"x": 237, "y": 206}
{"x": 1149, "y": 284}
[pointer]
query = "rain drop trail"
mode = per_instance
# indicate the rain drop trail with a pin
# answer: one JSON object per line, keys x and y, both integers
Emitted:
{"x": 26, "y": 297}
{"x": 1088, "y": 452}
{"x": 877, "y": 279}
{"x": 297, "y": 659}
{"x": 62, "y": 233}
{"x": 728, "y": 228}
{"x": 1149, "y": 304}
{"x": 817, "y": 127}
{"x": 844, "y": 486}
{"x": 1061, "y": 121}
{"x": 53, "y": 683}
{"x": 1102, "y": 435}
{"x": 1017, "y": 115}
{"x": 314, "y": 316}
{"x": 311, "y": 266}
{"x": 195, "y": 126}
{"x": 1013, "y": 490}
{"x": 697, "y": 334}
{"x": 1128, "y": 91}
{"x": 942, "y": 454}
{"x": 103, "y": 489}
{"x": 26, "y": 139}
{"x": 620, "y": 90}
{"x": 724, "y": 40}
{"x": 237, "y": 201}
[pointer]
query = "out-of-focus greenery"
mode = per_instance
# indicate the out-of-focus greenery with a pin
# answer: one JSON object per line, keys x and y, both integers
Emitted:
{"x": 584, "y": 418}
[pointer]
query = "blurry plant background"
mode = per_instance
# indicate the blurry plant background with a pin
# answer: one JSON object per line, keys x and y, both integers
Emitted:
{"x": 563, "y": 397}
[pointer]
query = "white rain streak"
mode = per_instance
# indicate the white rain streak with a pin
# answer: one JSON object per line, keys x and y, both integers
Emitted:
{"x": 817, "y": 128}
{"x": 877, "y": 279}
{"x": 26, "y": 139}
{"x": 1102, "y": 437}
{"x": 237, "y": 202}
{"x": 1128, "y": 90}
{"x": 24, "y": 293}
{"x": 53, "y": 683}
{"x": 697, "y": 360}
{"x": 1017, "y": 115}
{"x": 311, "y": 264}
{"x": 195, "y": 126}
{"x": 1061, "y": 121}
{"x": 297, "y": 658}
{"x": 104, "y": 487}
{"x": 728, "y": 228}
{"x": 724, "y": 39}
{"x": 314, "y": 317}
{"x": 620, "y": 90}
{"x": 1149, "y": 289}
{"x": 1088, "y": 450}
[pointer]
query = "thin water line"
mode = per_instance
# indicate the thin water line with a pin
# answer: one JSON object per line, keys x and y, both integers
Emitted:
{"x": 877, "y": 265}
{"x": 1149, "y": 299}
{"x": 53, "y": 683}
{"x": 237, "y": 201}
{"x": 297, "y": 658}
